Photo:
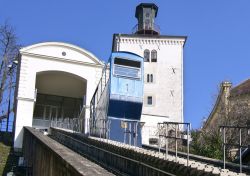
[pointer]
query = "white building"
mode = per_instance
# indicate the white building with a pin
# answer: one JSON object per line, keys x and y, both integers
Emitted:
{"x": 163, "y": 72}
{"x": 55, "y": 80}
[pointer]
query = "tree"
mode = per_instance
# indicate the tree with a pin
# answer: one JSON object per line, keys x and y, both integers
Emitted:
{"x": 231, "y": 109}
{"x": 9, "y": 49}
{"x": 239, "y": 115}
{"x": 208, "y": 144}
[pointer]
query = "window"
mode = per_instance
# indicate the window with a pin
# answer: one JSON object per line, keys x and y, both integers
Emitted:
{"x": 146, "y": 55}
{"x": 153, "y": 56}
{"x": 127, "y": 68}
{"x": 150, "y": 100}
{"x": 153, "y": 141}
{"x": 128, "y": 63}
{"x": 150, "y": 78}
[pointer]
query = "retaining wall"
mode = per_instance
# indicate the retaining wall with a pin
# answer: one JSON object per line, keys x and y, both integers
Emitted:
{"x": 47, "y": 157}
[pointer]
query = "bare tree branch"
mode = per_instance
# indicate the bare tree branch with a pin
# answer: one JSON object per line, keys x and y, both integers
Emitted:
{"x": 8, "y": 51}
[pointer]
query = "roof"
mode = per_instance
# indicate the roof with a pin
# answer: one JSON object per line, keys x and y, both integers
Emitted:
{"x": 243, "y": 88}
{"x": 72, "y": 47}
{"x": 214, "y": 110}
{"x": 140, "y": 6}
{"x": 152, "y": 36}
{"x": 219, "y": 100}
{"x": 148, "y": 36}
{"x": 127, "y": 52}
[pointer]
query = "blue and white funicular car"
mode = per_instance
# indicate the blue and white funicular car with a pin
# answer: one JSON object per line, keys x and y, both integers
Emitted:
{"x": 116, "y": 106}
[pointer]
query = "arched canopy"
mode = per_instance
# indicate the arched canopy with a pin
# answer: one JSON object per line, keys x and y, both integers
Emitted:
{"x": 62, "y": 51}
{"x": 59, "y": 95}
{"x": 61, "y": 84}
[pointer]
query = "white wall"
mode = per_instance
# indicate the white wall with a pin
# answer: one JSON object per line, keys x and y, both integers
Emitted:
{"x": 48, "y": 57}
{"x": 167, "y": 89}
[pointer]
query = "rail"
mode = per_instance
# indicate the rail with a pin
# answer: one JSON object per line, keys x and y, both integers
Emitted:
{"x": 69, "y": 124}
{"x": 239, "y": 129}
{"x": 94, "y": 148}
{"x": 218, "y": 163}
{"x": 164, "y": 131}
{"x": 146, "y": 27}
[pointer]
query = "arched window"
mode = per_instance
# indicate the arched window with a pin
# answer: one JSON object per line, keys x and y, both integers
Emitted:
{"x": 146, "y": 55}
{"x": 153, "y": 56}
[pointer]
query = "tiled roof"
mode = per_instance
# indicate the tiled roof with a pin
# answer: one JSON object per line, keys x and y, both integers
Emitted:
{"x": 243, "y": 88}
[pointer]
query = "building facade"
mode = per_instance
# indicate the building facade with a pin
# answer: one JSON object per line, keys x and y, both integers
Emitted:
{"x": 163, "y": 70}
{"x": 55, "y": 81}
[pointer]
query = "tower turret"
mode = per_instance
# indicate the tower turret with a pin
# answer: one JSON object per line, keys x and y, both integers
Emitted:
{"x": 145, "y": 14}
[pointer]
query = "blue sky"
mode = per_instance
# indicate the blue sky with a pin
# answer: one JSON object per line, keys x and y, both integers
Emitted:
{"x": 217, "y": 47}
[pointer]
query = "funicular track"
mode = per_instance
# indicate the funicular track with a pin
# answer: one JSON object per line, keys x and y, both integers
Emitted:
{"x": 204, "y": 160}
{"x": 112, "y": 161}
{"x": 122, "y": 159}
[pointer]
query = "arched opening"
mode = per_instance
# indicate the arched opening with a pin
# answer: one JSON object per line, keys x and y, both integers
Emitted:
{"x": 60, "y": 95}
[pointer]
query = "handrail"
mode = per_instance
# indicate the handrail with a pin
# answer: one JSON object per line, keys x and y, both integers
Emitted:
{"x": 203, "y": 159}
{"x": 153, "y": 27}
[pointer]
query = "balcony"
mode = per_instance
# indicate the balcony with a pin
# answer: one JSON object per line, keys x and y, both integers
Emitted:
{"x": 146, "y": 29}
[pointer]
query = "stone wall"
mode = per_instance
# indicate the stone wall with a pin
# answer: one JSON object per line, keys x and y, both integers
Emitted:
{"x": 47, "y": 157}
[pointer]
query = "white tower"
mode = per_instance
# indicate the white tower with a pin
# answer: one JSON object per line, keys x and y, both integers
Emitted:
{"x": 163, "y": 61}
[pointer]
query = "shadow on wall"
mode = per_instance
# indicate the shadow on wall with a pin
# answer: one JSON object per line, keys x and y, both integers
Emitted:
{"x": 8, "y": 158}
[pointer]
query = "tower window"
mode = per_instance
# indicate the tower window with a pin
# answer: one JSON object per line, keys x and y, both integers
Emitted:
{"x": 150, "y": 100}
{"x": 153, "y": 56}
{"x": 150, "y": 78}
{"x": 146, "y": 55}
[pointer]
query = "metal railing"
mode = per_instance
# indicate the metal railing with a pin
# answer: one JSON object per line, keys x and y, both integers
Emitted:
{"x": 145, "y": 27}
{"x": 223, "y": 129}
{"x": 69, "y": 124}
{"x": 131, "y": 129}
{"x": 41, "y": 123}
{"x": 165, "y": 130}
{"x": 100, "y": 128}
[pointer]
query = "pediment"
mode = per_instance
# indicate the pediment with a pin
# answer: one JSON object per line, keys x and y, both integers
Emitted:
{"x": 61, "y": 50}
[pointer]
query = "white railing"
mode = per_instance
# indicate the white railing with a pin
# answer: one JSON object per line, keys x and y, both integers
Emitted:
{"x": 41, "y": 123}
{"x": 70, "y": 124}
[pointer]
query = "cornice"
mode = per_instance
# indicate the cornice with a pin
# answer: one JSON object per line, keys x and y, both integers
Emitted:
{"x": 60, "y": 59}
{"x": 132, "y": 40}
{"x": 63, "y": 45}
